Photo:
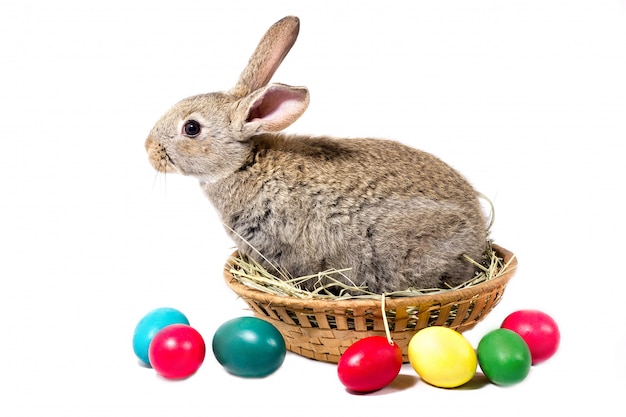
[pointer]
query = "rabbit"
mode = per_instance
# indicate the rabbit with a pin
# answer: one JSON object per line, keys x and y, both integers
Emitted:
{"x": 397, "y": 217}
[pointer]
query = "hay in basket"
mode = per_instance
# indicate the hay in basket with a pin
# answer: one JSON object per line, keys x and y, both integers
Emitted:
{"x": 322, "y": 324}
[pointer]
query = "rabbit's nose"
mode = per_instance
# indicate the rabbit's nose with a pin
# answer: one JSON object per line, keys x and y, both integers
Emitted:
{"x": 158, "y": 157}
{"x": 149, "y": 142}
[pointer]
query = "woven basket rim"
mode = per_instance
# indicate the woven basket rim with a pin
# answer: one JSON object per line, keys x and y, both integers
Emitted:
{"x": 441, "y": 298}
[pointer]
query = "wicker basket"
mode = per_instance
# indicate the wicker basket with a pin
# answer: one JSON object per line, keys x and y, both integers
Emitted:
{"x": 324, "y": 329}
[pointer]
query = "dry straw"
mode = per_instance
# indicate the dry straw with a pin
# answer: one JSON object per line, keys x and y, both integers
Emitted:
{"x": 328, "y": 287}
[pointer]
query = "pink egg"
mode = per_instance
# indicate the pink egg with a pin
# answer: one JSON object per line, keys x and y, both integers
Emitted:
{"x": 177, "y": 351}
{"x": 539, "y": 331}
{"x": 369, "y": 364}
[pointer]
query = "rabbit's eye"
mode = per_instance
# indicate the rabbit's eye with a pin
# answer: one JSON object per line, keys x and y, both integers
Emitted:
{"x": 192, "y": 128}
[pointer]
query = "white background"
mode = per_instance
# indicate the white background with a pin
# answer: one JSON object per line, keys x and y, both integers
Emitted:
{"x": 526, "y": 98}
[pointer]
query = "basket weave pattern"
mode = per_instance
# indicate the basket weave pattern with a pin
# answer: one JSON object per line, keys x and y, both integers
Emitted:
{"x": 324, "y": 329}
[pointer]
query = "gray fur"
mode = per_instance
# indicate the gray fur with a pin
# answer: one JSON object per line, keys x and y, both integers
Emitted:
{"x": 397, "y": 216}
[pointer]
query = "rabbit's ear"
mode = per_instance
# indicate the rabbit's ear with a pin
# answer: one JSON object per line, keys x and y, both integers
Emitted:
{"x": 271, "y": 109}
{"x": 268, "y": 55}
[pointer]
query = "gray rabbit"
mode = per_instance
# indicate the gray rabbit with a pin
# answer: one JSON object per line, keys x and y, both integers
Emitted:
{"x": 396, "y": 216}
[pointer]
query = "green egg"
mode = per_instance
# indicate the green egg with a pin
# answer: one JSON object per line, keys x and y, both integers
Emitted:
{"x": 504, "y": 357}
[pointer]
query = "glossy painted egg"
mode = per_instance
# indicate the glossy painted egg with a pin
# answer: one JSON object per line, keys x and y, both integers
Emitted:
{"x": 149, "y": 326}
{"x": 369, "y": 364}
{"x": 504, "y": 357}
{"x": 177, "y": 351}
{"x": 442, "y": 357}
{"x": 249, "y": 347}
{"x": 539, "y": 331}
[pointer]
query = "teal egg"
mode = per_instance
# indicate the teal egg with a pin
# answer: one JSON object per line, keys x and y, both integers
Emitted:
{"x": 149, "y": 326}
{"x": 249, "y": 347}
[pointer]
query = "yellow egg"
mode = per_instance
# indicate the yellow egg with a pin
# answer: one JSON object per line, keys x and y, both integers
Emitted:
{"x": 442, "y": 357}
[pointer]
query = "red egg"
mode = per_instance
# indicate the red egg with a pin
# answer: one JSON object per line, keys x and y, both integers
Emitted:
{"x": 539, "y": 331}
{"x": 369, "y": 364}
{"x": 177, "y": 351}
